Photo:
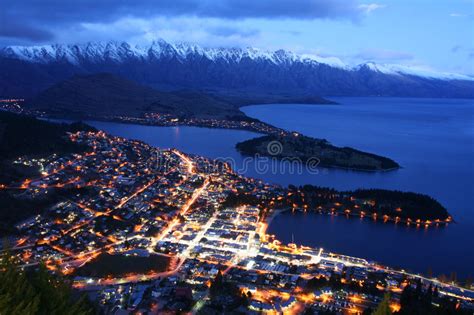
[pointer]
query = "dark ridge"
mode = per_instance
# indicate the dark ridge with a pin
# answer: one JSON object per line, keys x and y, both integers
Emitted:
{"x": 24, "y": 135}
{"x": 105, "y": 95}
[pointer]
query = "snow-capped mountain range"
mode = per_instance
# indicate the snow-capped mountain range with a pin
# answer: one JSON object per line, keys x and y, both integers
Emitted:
{"x": 123, "y": 51}
{"x": 191, "y": 66}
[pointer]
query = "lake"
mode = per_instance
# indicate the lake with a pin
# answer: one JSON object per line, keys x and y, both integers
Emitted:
{"x": 432, "y": 139}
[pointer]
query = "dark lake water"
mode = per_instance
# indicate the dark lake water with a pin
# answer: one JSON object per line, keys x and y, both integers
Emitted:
{"x": 432, "y": 139}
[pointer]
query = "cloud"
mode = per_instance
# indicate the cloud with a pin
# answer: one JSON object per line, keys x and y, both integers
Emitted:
{"x": 271, "y": 9}
{"x": 460, "y": 49}
{"x": 21, "y": 29}
{"x": 106, "y": 10}
{"x": 24, "y": 32}
{"x": 37, "y": 20}
{"x": 209, "y": 32}
{"x": 292, "y": 32}
{"x": 457, "y": 15}
{"x": 456, "y": 48}
{"x": 369, "y": 8}
{"x": 383, "y": 55}
{"x": 461, "y": 15}
{"x": 227, "y": 31}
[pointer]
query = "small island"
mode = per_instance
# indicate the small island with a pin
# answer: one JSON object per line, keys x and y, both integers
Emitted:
{"x": 294, "y": 146}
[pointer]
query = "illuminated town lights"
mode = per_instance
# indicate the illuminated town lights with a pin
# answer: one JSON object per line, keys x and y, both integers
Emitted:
{"x": 192, "y": 226}
{"x": 394, "y": 307}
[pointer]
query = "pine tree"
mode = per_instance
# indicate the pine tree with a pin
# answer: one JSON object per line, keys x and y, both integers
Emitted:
{"x": 217, "y": 283}
{"x": 36, "y": 292}
{"x": 429, "y": 273}
{"x": 468, "y": 282}
{"x": 453, "y": 277}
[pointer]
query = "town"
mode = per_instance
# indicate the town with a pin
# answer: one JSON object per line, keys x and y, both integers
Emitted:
{"x": 159, "y": 119}
{"x": 141, "y": 229}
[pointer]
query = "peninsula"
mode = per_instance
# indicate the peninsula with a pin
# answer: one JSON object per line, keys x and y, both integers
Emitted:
{"x": 297, "y": 147}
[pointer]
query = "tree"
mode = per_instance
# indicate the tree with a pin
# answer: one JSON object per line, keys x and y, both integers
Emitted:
{"x": 36, "y": 292}
{"x": 216, "y": 283}
{"x": 468, "y": 282}
{"x": 453, "y": 277}
{"x": 443, "y": 278}
{"x": 367, "y": 311}
{"x": 384, "y": 307}
{"x": 429, "y": 273}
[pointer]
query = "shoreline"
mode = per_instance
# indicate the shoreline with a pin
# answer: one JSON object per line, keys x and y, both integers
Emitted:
{"x": 153, "y": 124}
{"x": 354, "y": 169}
{"x": 394, "y": 220}
{"x": 246, "y": 123}
{"x": 398, "y": 269}
{"x": 375, "y": 218}
{"x": 257, "y": 132}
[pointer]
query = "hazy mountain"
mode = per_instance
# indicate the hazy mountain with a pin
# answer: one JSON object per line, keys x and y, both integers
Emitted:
{"x": 28, "y": 70}
{"x": 105, "y": 94}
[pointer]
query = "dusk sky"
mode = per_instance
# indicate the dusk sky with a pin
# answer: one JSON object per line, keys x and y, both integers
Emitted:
{"x": 437, "y": 34}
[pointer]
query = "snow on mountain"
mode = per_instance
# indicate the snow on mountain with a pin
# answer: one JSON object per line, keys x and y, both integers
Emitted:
{"x": 415, "y": 71}
{"x": 28, "y": 70}
{"x": 120, "y": 51}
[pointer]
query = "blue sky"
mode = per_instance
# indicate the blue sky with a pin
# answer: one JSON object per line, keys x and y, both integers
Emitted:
{"x": 436, "y": 34}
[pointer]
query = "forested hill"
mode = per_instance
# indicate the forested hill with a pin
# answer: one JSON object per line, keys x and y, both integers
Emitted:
{"x": 21, "y": 135}
{"x": 106, "y": 95}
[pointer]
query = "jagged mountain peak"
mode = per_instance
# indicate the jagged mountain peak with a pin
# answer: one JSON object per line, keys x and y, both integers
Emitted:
{"x": 118, "y": 51}
{"x": 185, "y": 65}
{"x": 158, "y": 48}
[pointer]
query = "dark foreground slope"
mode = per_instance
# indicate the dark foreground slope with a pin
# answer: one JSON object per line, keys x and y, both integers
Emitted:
{"x": 38, "y": 291}
{"x": 24, "y": 135}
